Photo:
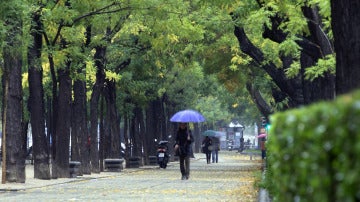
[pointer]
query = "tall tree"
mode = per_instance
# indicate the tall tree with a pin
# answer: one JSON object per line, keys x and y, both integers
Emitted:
{"x": 12, "y": 99}
{"x": 94, "y": 107}
{"x": 345, "y": 23}
{"x": 36, "y": 101}
{"x": 79, "y": 130}
{"x": 112, "y": 120}
{"x": 63, "y": 123}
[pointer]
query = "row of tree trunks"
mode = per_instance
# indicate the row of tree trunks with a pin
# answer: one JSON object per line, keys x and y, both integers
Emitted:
{"x": 144, "y": 130}
{"x": 67, "y": 117}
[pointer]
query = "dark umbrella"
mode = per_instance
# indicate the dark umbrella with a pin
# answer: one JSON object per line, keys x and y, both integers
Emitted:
{"x": 211, "y": 133}
{"x": 186, "y": 116}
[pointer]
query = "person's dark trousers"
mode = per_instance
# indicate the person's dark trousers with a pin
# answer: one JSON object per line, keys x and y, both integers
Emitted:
{"x": 208, "y": 155}
{"x": 185, "y": 167}
{"x": 215, "y": 154}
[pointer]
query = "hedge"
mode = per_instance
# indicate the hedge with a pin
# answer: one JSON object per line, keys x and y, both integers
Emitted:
{"x": 314, "y": 152}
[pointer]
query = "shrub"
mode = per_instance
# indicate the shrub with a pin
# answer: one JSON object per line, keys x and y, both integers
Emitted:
{"x": 314, "y": 152}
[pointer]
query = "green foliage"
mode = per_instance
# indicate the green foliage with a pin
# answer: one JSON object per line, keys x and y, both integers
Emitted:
{"x": 294, "y": 69}
{"x": 313, "y": 152}
{"x": 289, "y": 47}
{"x": 212, "y": 110}
{"x": 182, "y": 85}
{"x": 328, "y": 64}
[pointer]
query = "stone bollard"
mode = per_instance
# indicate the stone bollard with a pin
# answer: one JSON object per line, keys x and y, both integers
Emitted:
{"x": 74, "y": 167}
{"x": 113, "y": 165}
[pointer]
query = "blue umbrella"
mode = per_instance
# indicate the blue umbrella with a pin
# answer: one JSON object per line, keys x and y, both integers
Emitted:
{"x": 187, "y": 115}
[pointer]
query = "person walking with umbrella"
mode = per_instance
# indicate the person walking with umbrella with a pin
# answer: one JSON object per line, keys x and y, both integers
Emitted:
{"x": 182, "y": 146}
{"x": 184, "y": 138}
{"x": 206, "y": 143}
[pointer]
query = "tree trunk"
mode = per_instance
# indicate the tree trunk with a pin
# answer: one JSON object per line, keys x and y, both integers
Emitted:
{"x": 49, "y": 124}
{"x": 139, "y": 132}
{"x": 112, "y": 120}
{"x": 94, "y": 104}
{"x": 127, "y": 139}
{"x": 135, "y": 134}
{"x": 101, "y": 134}
{"x": 15, "y": 156}
{"x": 53, "y": 115}
{"x": 151, "y": 128}
{"x": 163, "y": 120}
{"x": 63, "y": 124}
{"x": 36, "y": 103}
{"x": 80, "y": 137}
{"x": 345, "y": 25}
{"x": 321, "y": 88}
{"x": 79, "y": 130}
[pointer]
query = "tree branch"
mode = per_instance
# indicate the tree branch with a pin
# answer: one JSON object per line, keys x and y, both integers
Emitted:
{"x": 260, "y": 102}
{"x": 286, "y": 85}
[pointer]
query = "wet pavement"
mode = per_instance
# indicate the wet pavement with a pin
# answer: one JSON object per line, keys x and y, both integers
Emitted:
{"x": 232, "y": 179}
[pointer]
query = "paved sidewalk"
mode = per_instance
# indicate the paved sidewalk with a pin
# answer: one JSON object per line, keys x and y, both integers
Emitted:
{"x": 32, "y": 182}
{"x": 228, "y": 180}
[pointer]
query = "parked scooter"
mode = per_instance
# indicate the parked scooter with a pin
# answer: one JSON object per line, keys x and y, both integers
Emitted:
{"x": 162, "y": 154}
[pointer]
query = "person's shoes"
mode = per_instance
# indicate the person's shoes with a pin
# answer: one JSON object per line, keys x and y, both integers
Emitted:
{"x": 187, "y": 177}
{"x": 183, "y": 177}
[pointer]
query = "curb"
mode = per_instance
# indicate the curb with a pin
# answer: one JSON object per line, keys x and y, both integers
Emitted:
{"x": 263, "y": 193}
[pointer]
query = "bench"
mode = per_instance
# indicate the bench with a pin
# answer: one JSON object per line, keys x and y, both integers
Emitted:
{"x": 113, "y": 164}
{"x": 133, "y": 162}
{"x": 152, "y": 160}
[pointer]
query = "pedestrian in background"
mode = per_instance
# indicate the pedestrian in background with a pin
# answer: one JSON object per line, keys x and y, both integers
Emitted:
{"x": 215, "y": 149}
{"x": 182, "y": 148}
{"x": 206, "y": 144}
{"x": 263, "y": 148}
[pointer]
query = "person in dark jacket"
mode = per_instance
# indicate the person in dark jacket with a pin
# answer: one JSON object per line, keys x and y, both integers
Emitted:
{"x": 206, "y": 143}
{"x": 182, "y": 146}
{"x": 215, "y": 149}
